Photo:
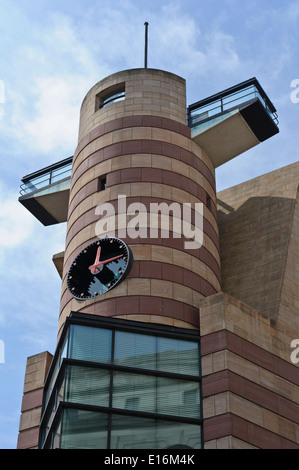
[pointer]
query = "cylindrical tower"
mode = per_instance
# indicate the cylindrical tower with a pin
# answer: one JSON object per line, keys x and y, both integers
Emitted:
{"x": 134, "y": 142}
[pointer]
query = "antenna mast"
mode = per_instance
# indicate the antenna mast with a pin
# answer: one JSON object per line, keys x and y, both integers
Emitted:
{"x": 145, "y": 44}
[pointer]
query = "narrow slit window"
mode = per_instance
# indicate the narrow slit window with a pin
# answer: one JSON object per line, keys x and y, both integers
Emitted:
{"x": 209, "y": 202}
{"x": 102, "y": 183}
{"x": 110, "y": 95}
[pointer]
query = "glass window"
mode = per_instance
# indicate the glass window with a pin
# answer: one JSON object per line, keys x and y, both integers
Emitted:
{"x": 62, "y": 353}
{"x": 90, "y": 344}
{"x": 56, "y": 436}
{"x": 87, "y": 386}
{"x": 132, "y": 403}
{"x": 102, "y": 183}
{"x": 152, "y": 394}
{"x": 51, "y": 382}
{"x": 112, "y": 98}
{"x": 84, "y": 430}
{"x": 177, "y": 356}
{"x": 156, "y": 353}
{"x": 112, "y": 94}
{"x": 134, "y": 392}
{"x": 131, "y": 432}
{"x": 171, "y": 398}
{"x": 135, "y": 350}
{"x": 178, "y": 435}
{"x": 142, "y": 386}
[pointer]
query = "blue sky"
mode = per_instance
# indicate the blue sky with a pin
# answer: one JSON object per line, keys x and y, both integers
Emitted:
{"x": 51, "y": 53}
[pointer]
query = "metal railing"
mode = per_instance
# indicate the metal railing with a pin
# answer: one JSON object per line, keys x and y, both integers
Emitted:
{"x": 47, "y": 176}
{"x": 227, "y": 100}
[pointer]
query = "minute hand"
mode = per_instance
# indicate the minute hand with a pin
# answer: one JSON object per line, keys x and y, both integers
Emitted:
{"x": 104, "y": 262}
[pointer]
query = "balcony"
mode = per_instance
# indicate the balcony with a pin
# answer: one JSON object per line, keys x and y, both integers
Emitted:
{"x": 232, "y": 121}
{"x": 45, "y": 193}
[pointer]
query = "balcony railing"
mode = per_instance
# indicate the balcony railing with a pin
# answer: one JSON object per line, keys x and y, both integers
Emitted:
{"x": 47, "y": 176}
{"x": 227, "y": 100}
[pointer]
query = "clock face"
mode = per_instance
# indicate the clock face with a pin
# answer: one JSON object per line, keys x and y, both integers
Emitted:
{"x": 98, "y": 268}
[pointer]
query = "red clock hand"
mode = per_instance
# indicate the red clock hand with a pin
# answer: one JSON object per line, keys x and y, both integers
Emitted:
{"x": 94, "y": 266}
{"x": 110, "y": 259}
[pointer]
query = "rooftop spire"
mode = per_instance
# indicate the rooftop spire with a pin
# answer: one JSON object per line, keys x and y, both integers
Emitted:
{"x": 145, "y": 44}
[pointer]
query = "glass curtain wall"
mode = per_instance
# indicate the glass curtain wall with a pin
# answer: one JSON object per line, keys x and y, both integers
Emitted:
{"x": 114, "y": 388}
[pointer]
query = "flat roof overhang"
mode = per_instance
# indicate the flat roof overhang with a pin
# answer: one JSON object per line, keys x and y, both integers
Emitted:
{"x": 49, "y": 204}
{"x": 232, "y": 133}
{"x": 58, "y": 260}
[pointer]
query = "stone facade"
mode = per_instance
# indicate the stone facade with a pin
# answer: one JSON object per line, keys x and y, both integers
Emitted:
{"x": 250, "y": 385}
{"x": 240, "y": 288}
{"x": 36, "y": 372}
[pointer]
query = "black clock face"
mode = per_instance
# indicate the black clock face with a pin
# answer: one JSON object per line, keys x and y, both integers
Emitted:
{"x": 98, "y": 268}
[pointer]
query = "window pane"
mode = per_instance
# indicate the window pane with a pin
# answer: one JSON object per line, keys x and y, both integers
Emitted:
{"x": 178, "y": 397}
{"x": 113, "y": 98}
{"x": 90, "y": 344}
{"x": 61, "y": 355}
{"x": 177, "y": 356}
{"x": 135, "y": 350}
{"x": 56, "y": 436}
{"x": 171, "y": 435}
{"x": 87, "y": 386}
{"x": 134, "y": 392}
{"x": 156, "y": 395}
{"x": 129, "y": 432}
{"x": 84, "y": 430}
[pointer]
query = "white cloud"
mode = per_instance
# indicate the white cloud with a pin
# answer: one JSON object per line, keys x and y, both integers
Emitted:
{"x": 180, "y": 43}
{"x": 16, "y": 224}
{"x": 57, "y": 70}
{"x": 221, "y": 54}
{"x": 29, "y": 277}
{"x": 55, "y": 123}
{"x": 62, "y": 64}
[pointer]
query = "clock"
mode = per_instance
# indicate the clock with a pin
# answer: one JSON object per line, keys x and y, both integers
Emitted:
{"x": 99, "y": 267}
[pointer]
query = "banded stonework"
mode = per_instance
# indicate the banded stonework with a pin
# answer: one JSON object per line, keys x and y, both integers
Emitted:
{"x": 142, "y": 148}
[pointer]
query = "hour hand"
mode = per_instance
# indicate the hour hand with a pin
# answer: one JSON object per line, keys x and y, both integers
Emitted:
{"x": 94, "y": 267}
